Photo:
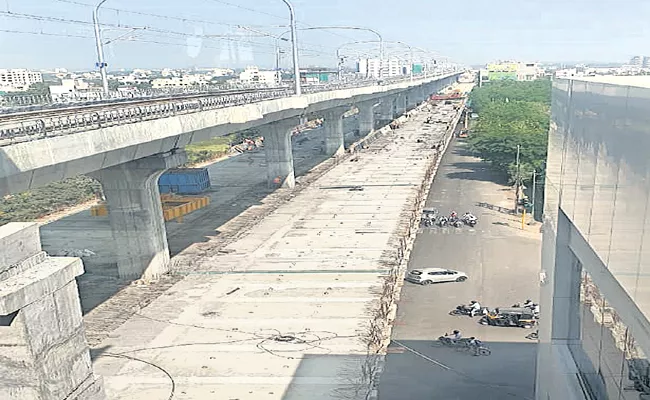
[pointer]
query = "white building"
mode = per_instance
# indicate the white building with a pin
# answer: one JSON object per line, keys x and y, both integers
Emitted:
{"x": 216, "y": 72}
{"x": 252, "y": 75}
{"x": 72, "y": 88}
{"x": 370, "y": 67}
{"x": 184, "y": 81}
{"x": 18, "y": 79}
{"x": 529, "y": 71}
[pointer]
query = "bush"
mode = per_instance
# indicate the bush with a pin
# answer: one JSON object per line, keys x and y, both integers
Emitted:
{"x": 33, "y": 204}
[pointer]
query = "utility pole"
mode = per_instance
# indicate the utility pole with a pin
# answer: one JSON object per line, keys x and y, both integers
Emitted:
{"x": 532, "y": 210}
{"x": 517, "y": 182}
{"x": 100, "y": 48}
{"x": 294, "y": 48}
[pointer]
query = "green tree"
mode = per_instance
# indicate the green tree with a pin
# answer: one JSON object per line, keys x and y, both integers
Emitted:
{"x": 39, "y": 88}
{"x": 113, "y": 84}
{"x": 512, "y": 114}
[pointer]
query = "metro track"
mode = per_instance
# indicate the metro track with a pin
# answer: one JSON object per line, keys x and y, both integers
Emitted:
{"x": 17, "y": 117}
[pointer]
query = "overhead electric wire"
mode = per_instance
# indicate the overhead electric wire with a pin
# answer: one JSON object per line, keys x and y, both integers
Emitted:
{"x": 150, "y": 29}
{"x": 182, "y": 19}
{"x": 46, "y": 34}
{"x": 134, "y": 40}
{"x": 248, "y": 9}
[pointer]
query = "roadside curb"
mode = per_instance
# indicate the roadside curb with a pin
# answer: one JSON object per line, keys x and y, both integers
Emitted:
{"x": 409, "y": 241}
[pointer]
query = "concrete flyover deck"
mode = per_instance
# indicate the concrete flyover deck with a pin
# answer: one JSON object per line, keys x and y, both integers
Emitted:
{"x": 283, "y": 312}
{"x": 88, "y": 144}
{"x": 238, "y": 182}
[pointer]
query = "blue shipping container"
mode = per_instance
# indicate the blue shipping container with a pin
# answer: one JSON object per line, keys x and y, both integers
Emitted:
{"x": 184, "y": 181}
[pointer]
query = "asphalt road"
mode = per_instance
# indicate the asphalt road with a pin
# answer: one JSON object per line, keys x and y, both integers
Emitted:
{"x": 502, "y": 262}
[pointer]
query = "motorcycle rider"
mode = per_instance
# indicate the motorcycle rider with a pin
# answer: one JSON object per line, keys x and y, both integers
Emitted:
{"x": 528, "y": 304}
{"x": 476, "y": 344}
{"x": 453, "y": 215}
{"x": 474, "y": 308}
{"x": 535, "y": 308}
{"x": 454, "y": 337}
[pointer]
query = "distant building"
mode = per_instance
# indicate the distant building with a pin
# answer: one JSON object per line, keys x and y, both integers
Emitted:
{"x": 511, "y": 70}
{"x": 370, "y": 67}
{"x": 317, "y": 76}
{"x": 187, "y": 80}
{"x": 69, "y": 88}
{"x": 637, "y": 61}
{"x": 18, "y": 79}
{"x": 646, "y": 62}
{"x": 216, "y": 72}
{"x": 252, "y": 75}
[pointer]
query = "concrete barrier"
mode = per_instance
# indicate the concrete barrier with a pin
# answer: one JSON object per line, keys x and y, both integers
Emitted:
{"x": 409, "y": 239}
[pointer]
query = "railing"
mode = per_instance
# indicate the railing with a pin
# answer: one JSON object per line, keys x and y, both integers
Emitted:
{"x": 49, "y": 124}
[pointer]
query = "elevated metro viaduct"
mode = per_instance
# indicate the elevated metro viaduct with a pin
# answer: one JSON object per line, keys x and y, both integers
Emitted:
{"x": 42, "y": 337}
{"x": 128, "y": 159}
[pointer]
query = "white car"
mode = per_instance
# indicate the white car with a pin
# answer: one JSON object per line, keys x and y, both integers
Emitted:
{"x": 427, "y": 276}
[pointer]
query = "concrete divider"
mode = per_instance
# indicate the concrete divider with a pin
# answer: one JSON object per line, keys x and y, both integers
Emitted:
{"x": 407, "y": 242}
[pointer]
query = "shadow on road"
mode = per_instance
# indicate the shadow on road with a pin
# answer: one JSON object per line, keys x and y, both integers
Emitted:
{"x": 418, "y": 369}
{"x": 502, "y": 210}
{"x": 476, "y": 171}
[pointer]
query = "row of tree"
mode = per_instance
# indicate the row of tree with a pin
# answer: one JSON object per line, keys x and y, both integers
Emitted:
{"x": 512, "y": 114}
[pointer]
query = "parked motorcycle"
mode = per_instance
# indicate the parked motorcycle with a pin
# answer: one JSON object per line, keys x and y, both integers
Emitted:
{"x": 456, "y": 223}
{"x": 469, "y": 219}
{"x": 443, "y": 221}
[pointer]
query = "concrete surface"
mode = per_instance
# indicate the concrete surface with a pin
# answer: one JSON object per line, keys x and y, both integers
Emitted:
{"x": 502, "y": 262}
{"x": 238, "y": 183}
{"x": 282, "y": 312}
{"x": 31, "y": 164}
{"x": 43, "y": 349}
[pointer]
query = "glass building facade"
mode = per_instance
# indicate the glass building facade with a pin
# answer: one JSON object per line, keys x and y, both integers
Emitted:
{"x": 595, "y": 278}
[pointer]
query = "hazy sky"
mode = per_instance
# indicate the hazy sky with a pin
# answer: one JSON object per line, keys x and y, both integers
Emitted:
{"x": 469, "y": 31}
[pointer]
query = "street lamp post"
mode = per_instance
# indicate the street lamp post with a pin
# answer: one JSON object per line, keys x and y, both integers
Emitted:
{"x": 411, "y": 58}
{"x": 100, "y": 48}
{"x": 356, "y": 28}
{"x": 294, "y": 45}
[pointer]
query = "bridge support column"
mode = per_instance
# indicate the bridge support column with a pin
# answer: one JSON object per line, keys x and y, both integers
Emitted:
{"x": 400, "y": 104}
{"x": 279, "y": 154}
{"x": 334, "y": 135}
{"x": 136, "y": 216}
{"x": 42, "y": 338}
{"x": 387, "y": 110}
{"x": 366, "y": 117}
{"x": 411, "y": 99}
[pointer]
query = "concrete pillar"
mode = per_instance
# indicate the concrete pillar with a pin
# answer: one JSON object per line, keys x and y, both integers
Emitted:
{"x": 334, "y": 135}
{"x": 135, "y": 213}
{"x": 279, "y": 154}
{"x": 43, "y": 349}
{"x": 366, "y": 117}
{"x": 387, "y": 110}
{"x": 400, "y": 104}
{"x": 411, "y": 99}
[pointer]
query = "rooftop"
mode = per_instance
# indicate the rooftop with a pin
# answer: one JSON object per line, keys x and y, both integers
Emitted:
{"x": 642, "y": 81}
